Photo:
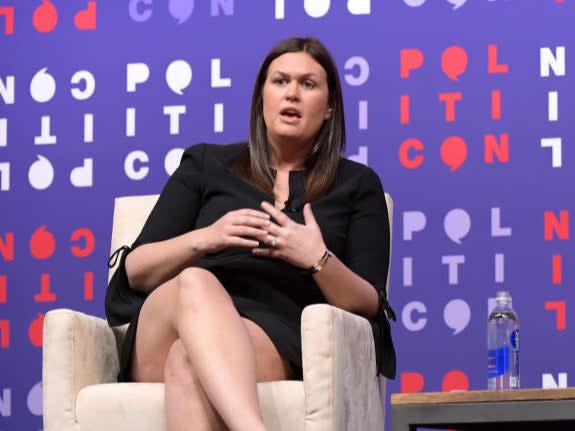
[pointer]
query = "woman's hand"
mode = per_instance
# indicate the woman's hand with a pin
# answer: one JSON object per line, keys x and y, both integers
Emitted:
{"x": 240, "y": 228}
{"x": 298, "y": 244}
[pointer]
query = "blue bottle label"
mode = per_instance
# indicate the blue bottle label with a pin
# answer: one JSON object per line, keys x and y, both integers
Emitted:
{"x": 514, "y": 379}
{"x": 514, "y": 338}
{"x": 498, "y": 361}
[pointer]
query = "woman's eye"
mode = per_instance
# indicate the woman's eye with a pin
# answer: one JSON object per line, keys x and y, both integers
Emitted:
{"x": 279, "y": 81}
{"x": 308, "y": 84}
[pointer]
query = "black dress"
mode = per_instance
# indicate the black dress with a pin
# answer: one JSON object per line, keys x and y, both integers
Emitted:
{"x": 352, "y": 217}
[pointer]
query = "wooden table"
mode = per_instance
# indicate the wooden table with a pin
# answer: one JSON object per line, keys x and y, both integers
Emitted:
{"x": 515, "y": 410}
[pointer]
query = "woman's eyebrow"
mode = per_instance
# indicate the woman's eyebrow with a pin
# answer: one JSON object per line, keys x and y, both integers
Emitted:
{"x": 303, "y": 75}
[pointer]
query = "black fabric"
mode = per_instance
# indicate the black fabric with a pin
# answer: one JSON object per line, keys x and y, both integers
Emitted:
{"x": 122, "y": 302}
{"x": 352, "y": 216}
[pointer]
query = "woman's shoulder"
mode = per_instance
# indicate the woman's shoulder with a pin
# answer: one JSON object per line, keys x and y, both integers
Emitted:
{"x": 215, "y": 152}
{"x": 349, "y": 170}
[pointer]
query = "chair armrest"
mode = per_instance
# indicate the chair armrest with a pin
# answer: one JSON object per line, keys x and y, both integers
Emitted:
{"x": 339, "y": 371}
{"x": 79, "y": 350}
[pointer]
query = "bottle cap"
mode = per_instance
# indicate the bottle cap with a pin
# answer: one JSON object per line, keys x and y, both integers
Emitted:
{"x": 503, "y": 295}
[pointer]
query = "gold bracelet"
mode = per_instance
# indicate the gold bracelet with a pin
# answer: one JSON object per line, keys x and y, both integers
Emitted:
{"x": 318, "y": 266}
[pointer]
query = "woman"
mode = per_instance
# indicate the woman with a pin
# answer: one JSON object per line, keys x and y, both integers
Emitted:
{"x": 242, "y": 238}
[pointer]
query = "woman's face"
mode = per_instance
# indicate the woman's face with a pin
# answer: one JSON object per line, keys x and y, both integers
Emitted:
{"x": 295, "y": 99}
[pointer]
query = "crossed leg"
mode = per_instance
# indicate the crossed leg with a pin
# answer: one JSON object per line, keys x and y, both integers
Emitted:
{"x": 191, "y": 337}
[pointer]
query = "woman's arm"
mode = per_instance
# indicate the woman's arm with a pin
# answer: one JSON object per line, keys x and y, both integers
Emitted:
{"x": 353, "y": 281}
{"x": 345, "y": 289}
{"x": 154, "y": 263}
{"x": 356, "y": 279}
{"x": 302, "y": 245}
{"x": 169, "y": 240}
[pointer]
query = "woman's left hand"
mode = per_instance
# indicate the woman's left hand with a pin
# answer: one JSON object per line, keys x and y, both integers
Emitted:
{"x": 298, "y": 244}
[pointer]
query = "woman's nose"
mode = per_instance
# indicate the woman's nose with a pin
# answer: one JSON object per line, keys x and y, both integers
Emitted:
{"x": 292, "y": 90}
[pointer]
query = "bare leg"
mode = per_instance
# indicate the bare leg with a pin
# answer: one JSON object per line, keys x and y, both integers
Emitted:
{"x": 187, "y": 405}
{"x": 159, "y": 356}
{"x": 186, "y": 401}
{"x": 271, "y": 365}
{"x": 220, "y": 348}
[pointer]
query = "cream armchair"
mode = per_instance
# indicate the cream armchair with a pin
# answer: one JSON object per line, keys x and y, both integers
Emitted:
{"x": 339, "y": 391}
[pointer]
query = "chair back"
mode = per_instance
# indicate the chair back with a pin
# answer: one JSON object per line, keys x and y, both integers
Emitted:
{"x": 389, "y": 202}
{"x": 130, "y": 214}
{"x": 383, "y": 380}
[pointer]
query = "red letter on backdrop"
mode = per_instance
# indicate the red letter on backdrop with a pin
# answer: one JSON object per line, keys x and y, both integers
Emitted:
{"x": 35, "y": 333}
{"x": 45, "y": 17}
{"x": 86, "y": 19}
{"x": 42, "y": 243}
{"x": 411, "y": 382}
{"x": 492, "y": 65}
{"x": 500, "y": 149}
{"x": 404, "y": 109}
{"x": 559, "y": 308}
{"x": 45, "y": 294}
{"x": 557, "y": 269}
{"x": 4, "y": 334}
{"x": 7, "y": 247}
{"x": 406, "y": 161}
{"x": 409, "y": 59}
{"x": 496, "y": 105}
{"x": 8, "y": 12}
{"x": 560, "y": 227}
{"x": 455, "y": 380}
{"x": 3, "y": 289}
{"x": 77, "y": 235}
{"x": 88, "y": 286}
{"x": 450, "y": 99}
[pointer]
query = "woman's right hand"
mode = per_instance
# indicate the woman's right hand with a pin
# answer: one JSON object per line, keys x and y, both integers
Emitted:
{"x": 239, "y": 228}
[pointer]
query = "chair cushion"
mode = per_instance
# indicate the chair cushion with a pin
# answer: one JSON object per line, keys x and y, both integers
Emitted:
{"x": 140, "y": 406}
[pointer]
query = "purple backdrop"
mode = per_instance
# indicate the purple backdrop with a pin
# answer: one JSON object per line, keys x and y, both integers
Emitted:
{"x": 462, "y": 107}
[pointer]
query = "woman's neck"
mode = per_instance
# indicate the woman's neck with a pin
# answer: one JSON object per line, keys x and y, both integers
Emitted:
{"x": 288, "y": 157}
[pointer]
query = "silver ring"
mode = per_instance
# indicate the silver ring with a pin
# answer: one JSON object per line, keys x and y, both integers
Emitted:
{"x": 274, "y": 243}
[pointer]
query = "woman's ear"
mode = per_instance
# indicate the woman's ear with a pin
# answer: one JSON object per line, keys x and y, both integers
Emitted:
{"x": 327, "y": 114}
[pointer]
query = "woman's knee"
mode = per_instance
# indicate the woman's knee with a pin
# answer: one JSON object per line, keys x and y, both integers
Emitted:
{"x": 196, "y": 286}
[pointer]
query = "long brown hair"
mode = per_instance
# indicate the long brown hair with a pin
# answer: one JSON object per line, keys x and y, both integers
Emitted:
{"x": 329, "y": 144}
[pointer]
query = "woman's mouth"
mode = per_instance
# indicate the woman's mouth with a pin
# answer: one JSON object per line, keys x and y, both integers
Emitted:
{"x": 290, "y": 115}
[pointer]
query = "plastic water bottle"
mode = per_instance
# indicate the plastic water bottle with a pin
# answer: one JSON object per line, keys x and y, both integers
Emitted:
{"x": 503, "y": 345}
